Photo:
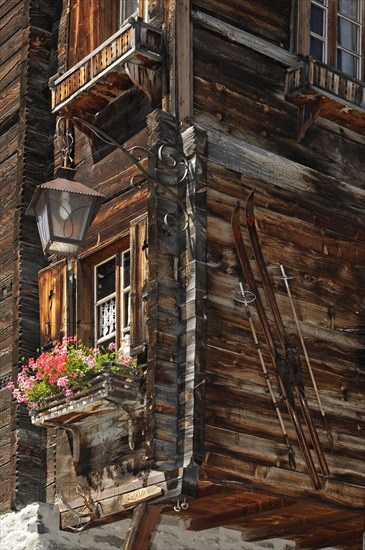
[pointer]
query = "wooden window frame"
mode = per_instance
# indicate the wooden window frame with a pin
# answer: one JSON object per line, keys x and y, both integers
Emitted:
{"x": 87, "y": 289}
{"x": 304, "y": 32}
{"x": 67, "y": 292}
{"x": 121, "y": 297}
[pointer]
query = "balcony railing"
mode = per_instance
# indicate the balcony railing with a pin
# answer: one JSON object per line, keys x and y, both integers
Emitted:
{"x": 343, "y": 96}
{"x": 100, "y": 77}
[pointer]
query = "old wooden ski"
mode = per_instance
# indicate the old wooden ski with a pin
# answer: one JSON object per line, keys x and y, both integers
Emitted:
{"x": 276, "y": 358}
{"x": 287, "y": 350}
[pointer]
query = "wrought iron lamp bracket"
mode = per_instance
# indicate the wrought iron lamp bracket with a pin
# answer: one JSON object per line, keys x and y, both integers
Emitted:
{"x": 167, "y": 155}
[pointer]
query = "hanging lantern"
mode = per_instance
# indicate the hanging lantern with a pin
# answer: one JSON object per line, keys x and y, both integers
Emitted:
{"x": 64, "y": 210}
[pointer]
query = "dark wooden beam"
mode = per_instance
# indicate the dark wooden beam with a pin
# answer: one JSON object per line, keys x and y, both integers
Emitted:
{"x": 227, "y": 516}
{"x": 224, "y": 468}
{"x": 282, "y": 525}
{"x": 317, "y": 542}
{"x": 142, "y": 526}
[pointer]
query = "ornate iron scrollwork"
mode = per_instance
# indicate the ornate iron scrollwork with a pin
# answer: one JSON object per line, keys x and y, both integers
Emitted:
{"x": 168, "y": 155}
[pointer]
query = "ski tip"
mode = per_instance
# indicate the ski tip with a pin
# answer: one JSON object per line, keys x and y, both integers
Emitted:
{"x": 236, "y": 213}
{"x": 250, "y": 205}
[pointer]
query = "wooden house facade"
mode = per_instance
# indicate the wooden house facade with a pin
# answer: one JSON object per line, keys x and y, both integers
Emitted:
{"x": 227, "y": 139}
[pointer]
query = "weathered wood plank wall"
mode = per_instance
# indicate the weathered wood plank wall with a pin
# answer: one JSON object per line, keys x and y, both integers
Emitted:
{"x": 310, "y": 210}
{"x": 26, "y": 48}
{"x": 110, "y": 171}
{"x": 11, "y": 54}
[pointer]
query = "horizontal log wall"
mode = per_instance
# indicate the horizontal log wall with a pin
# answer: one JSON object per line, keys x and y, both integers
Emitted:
{"x": 11, "y": 43}
{"x": 23, "y": 51}
{"x": 262, "y": 18}
{"x": 310, "y": 216}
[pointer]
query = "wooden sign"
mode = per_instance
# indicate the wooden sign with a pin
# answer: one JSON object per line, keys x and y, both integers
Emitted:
{"x": 140, "y": 495}
{"x": 112, "y": 505}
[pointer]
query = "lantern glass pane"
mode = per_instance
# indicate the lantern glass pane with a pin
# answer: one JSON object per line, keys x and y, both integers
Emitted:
{"x": 41, "y": 213}
{"x": 70, "y": 214}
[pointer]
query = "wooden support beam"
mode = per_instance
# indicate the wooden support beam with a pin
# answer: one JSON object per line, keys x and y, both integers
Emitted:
{"x": 142, "y": 526}
{"x": 307, "y": 115}
{"x": 335, "y": 537}
{"x": 237, "y": 514}
{"x": 282, "y": 525}
{"x": 225, "y": 468}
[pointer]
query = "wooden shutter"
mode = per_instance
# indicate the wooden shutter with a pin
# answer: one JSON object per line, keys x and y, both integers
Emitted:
{"x": 52, "y": 288}
{"x": 139, "y": 279}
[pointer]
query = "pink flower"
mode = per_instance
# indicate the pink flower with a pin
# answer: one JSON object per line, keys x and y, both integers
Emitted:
{"x": 63, "y": 382}
{"x": 16, "y": 394}
{"x": 90, "y": 361}
{"x": 69, "y": 393}
{"x": 10, "y": 385}
{"x": 112, "y": 346}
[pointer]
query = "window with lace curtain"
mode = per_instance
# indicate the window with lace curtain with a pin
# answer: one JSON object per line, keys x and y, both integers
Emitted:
{"x": 112, "y": 298}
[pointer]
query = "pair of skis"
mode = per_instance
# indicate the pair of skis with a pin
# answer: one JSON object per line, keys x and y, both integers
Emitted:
{"x": 285, "y": 360}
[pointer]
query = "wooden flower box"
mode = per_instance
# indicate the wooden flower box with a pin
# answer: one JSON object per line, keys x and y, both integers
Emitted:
{"x": 107, "y": 391}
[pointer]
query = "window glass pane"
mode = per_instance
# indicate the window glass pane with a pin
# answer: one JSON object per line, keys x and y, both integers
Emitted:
{"x": 127, "y": 8}
{"x": 317, "y": 20}
{"x": 131, "y": 7}
{"x": 317, "y": 48}
{"x": 347, "y": 63}
{"x": 348, "y": 35}
{"x": 350, "y": 8}
{"x": 105, "y": 279}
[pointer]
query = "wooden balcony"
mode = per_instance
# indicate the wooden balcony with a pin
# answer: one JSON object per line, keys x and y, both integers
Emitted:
{"x": 342, "y": 98}
{"x": 103, "y": 75}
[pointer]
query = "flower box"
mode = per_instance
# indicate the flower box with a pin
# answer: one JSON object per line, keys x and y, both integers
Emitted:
{"x": 107, "y": 391}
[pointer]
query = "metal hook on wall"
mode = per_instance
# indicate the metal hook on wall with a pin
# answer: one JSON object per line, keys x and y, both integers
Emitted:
{"x": 183, "y": 506}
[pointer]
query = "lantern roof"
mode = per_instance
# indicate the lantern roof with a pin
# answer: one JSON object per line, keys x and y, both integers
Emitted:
{"x": 61, "y": 184}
